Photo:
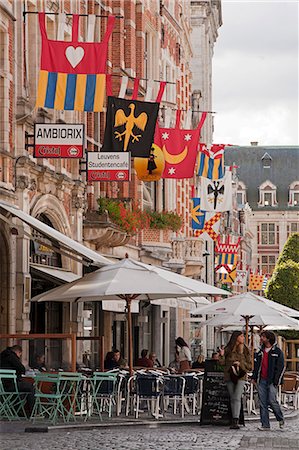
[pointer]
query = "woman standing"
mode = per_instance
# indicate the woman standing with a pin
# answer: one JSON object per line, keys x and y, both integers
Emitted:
{"x": 184, "y": 354}
{"x": 237, "y": 362}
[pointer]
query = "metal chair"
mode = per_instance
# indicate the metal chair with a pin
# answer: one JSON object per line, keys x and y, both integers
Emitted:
{"x": 191, "y": 391}
{"x": 103, "y": 392}
{"x": 12, "y": 401}
{"x": 56, "y": 396}
{"x": 151, "y": 388}
{"x": 174, "y": 390}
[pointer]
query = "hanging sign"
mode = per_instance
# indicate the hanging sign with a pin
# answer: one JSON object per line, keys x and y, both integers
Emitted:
{"x": 108, "y": 166}
{"x": 53, "y": 140}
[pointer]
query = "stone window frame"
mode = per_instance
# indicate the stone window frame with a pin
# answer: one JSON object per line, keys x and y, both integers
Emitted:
{"x": 294, "y": 194}
{"x": 241, "y": 190}
{"x": 267, "y": 188}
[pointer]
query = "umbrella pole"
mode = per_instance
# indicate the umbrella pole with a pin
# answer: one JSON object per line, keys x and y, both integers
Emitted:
{"x": 130, "y": 340}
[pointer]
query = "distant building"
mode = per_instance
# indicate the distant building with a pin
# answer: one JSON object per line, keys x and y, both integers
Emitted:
{"x": 268, "y": 181}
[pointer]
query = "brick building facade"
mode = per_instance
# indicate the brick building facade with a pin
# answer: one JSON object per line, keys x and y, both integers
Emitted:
{"x": 150, "y": 41}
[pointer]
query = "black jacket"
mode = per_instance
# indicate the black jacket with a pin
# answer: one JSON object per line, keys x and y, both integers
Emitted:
{"x": 275, "y": 368}
{"x": 9, "y": 360}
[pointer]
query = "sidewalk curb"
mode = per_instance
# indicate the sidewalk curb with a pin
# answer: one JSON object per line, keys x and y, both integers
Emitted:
{"x": 130, "y": 423}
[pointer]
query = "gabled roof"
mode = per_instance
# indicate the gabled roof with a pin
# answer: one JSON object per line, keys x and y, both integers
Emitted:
{"x": 283, "y": 170}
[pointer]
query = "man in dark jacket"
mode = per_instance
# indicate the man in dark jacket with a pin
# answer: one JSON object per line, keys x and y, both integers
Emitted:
{"x": 267, "y": 374}
{"x": 10, "y": 358}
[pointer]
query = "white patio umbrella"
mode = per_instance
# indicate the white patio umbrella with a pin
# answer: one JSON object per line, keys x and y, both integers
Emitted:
{"x": 278, "y": 320}
{"x": 128, "y": 280}
{"x": 246, "y": 305}
{"x": 185, "y": 303}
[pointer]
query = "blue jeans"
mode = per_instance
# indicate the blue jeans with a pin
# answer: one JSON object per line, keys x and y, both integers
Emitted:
{"x": 235, "y": 393}
{"x": 267, "y": 396}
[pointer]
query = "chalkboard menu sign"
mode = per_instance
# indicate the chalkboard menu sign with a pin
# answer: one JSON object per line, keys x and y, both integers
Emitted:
{"x": 215, "y": 402}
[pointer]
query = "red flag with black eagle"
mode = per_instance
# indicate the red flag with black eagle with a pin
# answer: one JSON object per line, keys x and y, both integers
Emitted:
{"x": 180, "y": 148}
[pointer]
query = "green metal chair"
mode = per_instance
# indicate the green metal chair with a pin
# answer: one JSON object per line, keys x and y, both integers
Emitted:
{"x": 103, "y": 391}
{"x": 12, "y": 401}
{"x": 56, "y": 396}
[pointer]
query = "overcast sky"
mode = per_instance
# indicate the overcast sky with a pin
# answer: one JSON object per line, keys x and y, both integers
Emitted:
{"x": 255, "y": 73}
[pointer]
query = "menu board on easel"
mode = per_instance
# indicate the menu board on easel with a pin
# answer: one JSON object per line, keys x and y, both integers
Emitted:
{"x": 215, "y": 402}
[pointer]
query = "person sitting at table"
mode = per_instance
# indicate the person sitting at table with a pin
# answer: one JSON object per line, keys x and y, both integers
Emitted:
{"x": 174, "y": 365}
{"x": 199, "y": 363}
{"x": 121, "y": 362}
{"x": 110, "y": 363}
{"x": 153, "y": 357}
{"x": 144, "y": 361}
{"x": 215, "y": 356}
{"x": 10, "y": 358}
{"x": 39, "y": 362}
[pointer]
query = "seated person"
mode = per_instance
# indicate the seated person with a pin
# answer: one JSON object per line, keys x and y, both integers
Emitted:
{"x": 174, "y": 365}
{"x": 39, "y": 363}
{"x": 110, "y": 363}
{"x": 10, "y": 358}
{"x": 154, "y": 359}
{"x": 215, "y": 356}
{"x": 199, "y": 363}
{"x": 121, "y": 362}
{"x": 144, "y": 361}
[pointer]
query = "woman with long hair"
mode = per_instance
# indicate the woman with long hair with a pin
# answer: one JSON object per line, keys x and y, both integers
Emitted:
{"x": 184, "y": 354}
{"x": 237, "y": 362}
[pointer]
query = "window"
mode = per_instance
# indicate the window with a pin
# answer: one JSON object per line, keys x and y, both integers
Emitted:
{"x": 267, "y": 194}
{"x": 294, "y": 194}
{"x": 267, "y": 160}
{"x": 292, "y": 228}
{"x": 268, "y": 233}
{"x": 268, "y": 199}
{"x": 268, "y": 263}
{"x": 241, "y": 195}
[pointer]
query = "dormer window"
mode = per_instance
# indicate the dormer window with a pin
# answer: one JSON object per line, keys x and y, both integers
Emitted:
{"x": 267, "y": 160}
{"x": 241, "y": 195}
{"x": 267, "y": 194}
{"x": 294, "y": 194}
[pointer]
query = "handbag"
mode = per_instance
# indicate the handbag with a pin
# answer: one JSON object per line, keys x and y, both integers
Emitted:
{"x": 235, "y": 373}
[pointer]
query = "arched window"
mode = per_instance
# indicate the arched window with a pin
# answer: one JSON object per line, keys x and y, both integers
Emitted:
{"x": 267, "y": 195}
{"x": 42, "y": 250}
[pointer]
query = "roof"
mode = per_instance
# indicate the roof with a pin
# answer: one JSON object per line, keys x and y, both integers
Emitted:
{"x": 282, "y": 170}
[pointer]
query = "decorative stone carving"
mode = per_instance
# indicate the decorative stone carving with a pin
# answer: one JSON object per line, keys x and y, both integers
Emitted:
{"x": 22, "y": 182}
{"x": 99, "y": 230}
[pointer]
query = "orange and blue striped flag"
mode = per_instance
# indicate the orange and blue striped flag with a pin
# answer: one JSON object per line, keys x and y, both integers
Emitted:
{"x": 73, "y": 73}
{"x": 211, "y": 162}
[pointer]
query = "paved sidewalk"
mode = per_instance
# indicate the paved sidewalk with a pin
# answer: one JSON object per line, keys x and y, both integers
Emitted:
{"x": 156, "y": 435}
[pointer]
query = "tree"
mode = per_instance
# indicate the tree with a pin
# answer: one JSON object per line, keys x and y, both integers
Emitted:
{"x": 284, "y": 284}
{"x": 290, "y": 250}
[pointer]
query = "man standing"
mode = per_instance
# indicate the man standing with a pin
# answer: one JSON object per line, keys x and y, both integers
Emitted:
{"x": 267, "y": 374}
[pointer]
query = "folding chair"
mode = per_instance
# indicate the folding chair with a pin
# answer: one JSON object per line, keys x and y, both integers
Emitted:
{"x": 12, "y": 401}
{"x": 52, "y": 398}
{"x": 103, "y": 392}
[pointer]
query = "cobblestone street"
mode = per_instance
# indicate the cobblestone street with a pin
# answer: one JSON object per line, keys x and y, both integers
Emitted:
{"x": 155, "y": 436}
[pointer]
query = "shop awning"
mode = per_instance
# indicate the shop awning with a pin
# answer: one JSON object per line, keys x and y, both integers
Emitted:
{"x": 54, "y": 273}
{"x": 67, "y": 246}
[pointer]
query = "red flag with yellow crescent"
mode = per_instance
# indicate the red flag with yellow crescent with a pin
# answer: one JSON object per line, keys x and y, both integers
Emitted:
{"x": 180, "y": 148}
